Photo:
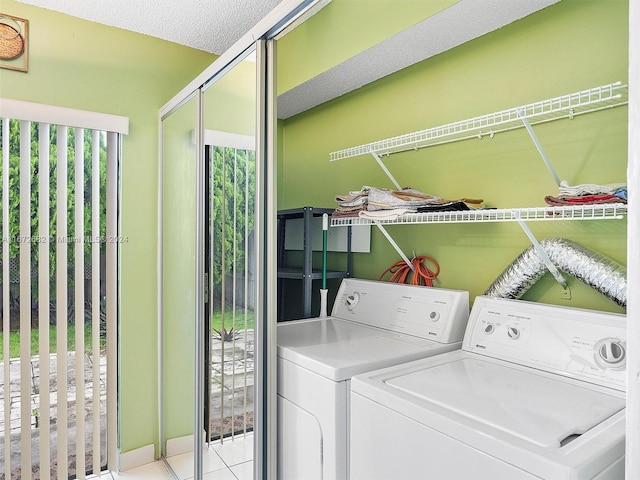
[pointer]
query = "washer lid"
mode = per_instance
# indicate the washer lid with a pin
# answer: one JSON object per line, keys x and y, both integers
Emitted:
{"x": 543, "y": 409}
{"x": 338, "y": 349}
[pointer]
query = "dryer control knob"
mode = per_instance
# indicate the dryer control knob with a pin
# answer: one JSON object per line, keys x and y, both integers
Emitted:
{"x": 513, "y": 333}
{"x": 434, "y": 316}
{"x": 352, "y": 300}
{"x": 489, "y": 328}
{"x": 611, "y": 353}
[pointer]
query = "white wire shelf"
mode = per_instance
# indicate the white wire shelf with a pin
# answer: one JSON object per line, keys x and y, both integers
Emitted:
{"x": 565, "y": 106}
{"x": 613, "y": 211}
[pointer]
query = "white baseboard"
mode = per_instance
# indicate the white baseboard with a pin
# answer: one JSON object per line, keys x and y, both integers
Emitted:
{"x": 136, "y": 458}
{"x": 179, "y": 445}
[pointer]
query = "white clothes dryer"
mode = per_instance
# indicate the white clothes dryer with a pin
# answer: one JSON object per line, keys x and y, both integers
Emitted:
{"x": 536, "y": 392}
{"x": 372, "y": 325}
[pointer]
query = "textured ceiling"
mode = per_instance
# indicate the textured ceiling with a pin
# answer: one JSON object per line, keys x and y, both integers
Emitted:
{"x": 209, "y": 25}
{"x": 215, "y": 25}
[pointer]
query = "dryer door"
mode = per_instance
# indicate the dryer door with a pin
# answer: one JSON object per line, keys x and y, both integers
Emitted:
{"x": 298, "y": 456}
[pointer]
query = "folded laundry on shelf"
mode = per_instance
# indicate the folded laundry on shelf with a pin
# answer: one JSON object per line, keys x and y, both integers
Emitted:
{"x": 588, "y": 194}
{"x": 444, "y": 207}
{"x": 353, "y": 198}
{"x": 382, "y": 199}
{"x": 621, "y": 192}
{"x": 351, "y": 204}
{"x": 455, "y": 205}
{"x": 588, "y": 188}
{"x": 583, "y": 200}
{"x": 383, "y": 204}
{"x": 347, "y": 212}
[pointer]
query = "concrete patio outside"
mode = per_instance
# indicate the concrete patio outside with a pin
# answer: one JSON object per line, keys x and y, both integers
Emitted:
{"x": 231, "y": 402}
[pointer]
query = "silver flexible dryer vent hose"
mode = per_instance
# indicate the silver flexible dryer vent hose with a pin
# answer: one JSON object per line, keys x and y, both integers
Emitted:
{"x": 597, "y": 271}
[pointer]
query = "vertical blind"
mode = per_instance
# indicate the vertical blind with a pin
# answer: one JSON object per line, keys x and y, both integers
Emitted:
{"x": 59, "y": 290}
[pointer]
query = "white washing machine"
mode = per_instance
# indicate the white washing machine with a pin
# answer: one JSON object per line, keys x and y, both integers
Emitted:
{"x": 372, "y": 325}
{"x": 536, "y": 392}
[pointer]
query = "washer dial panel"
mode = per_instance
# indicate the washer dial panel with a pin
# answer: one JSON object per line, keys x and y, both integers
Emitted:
{"x": 585, "y": 344}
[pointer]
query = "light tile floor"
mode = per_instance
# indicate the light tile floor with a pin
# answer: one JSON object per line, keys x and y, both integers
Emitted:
{"x": 232, "y": 460}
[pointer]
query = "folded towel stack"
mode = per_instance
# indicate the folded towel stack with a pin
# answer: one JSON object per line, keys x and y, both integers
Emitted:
{"x": 351, "y": 204}
{"x": 382, "y": 199}
{"x": 384, "y": 204}
{"x": 589, "y": 188}
{"x": 588, "y": 194}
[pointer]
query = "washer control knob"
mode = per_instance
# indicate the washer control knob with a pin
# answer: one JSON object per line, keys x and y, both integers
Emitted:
{"x": 489, "y": 328}
{"x": 434, "y": 316}
{"x": 513, "y": 333}
{"x": 352, "y": 300}
{"x": 612, "y": 353}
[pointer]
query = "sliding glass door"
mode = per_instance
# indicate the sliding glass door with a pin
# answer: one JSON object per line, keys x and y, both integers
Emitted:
{"x": 208, "y": 264}
{"x": 230, "y": 246}
{"x": 178, "y": 273}
{"x": 217, "y": 252}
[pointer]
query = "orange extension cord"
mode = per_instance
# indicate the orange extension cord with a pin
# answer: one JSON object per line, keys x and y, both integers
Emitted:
{"x": 421, "y": 275}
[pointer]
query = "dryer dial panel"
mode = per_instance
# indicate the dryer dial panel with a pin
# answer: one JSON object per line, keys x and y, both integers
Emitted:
{"x": 437, "y": 314}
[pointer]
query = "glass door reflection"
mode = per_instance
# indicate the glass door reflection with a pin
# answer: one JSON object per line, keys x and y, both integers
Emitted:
{"x": 229, "y": 111}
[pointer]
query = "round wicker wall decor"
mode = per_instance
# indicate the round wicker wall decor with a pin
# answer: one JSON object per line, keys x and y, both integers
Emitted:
{"x": 11, "y": 40}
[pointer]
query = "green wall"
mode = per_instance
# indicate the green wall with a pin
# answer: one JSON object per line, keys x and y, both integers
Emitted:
{"x": 564, "y": 48}
{"x": 84, "y": 65}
